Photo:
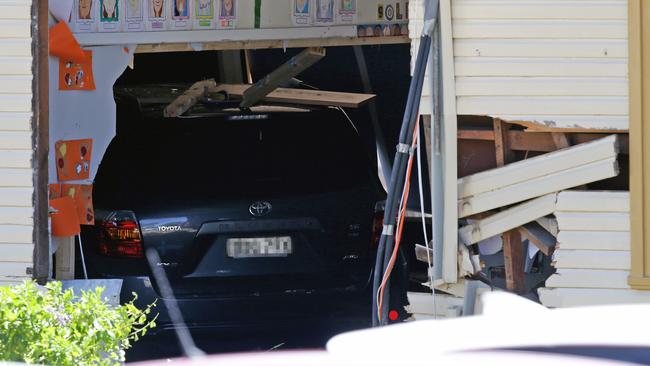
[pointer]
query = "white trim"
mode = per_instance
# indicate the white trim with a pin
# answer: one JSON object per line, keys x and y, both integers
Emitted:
{"x": 507, "y": 219}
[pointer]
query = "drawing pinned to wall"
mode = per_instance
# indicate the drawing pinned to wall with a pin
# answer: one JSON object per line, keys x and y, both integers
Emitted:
{"x": 82, "y": 195}
{"x": 180, "y": 15}
{"x": 109, "y": 16}
{"x": 382, "y": 30}
{"x": 380, "y": 11}
{"x": 134, "y": 19}
{"x": 73, "y": 159}
{"x": 324, "y": 12}
{"x": 204, "y": 14}
{"x": 301, "y": 12}
{"x": 65, "y": 221}
{"x": 228, "y": 14}
{"x": 347, "y": 12}
{"x": 156, "y": 15}
{"x": 77, "y": 75}
{"x": 84, "y": 16}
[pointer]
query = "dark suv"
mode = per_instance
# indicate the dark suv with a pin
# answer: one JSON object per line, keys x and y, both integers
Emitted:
{"x": 258, "y": 216}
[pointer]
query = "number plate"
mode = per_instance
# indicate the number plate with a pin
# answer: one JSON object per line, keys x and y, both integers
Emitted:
{"x": 277, "y": 246}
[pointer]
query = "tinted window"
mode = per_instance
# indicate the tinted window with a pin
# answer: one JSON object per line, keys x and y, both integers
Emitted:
{"x": 286, "y": 153}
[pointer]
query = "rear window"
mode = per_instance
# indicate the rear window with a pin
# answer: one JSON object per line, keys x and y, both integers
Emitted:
{"x": 284, "y": 153}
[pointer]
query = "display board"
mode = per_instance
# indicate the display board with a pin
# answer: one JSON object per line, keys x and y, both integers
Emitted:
{"x": 105, "y": 22}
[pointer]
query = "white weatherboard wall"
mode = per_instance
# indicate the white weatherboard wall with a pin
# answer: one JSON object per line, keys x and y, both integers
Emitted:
{"x": 557, "y": 63}
{"x": 592, "y": 257}
{"x": 16, "y": 185}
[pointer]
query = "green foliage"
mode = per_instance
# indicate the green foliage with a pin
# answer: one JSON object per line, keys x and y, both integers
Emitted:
{"x": 54, "y": 327}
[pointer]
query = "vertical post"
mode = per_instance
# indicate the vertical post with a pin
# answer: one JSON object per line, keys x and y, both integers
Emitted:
{"x": 513, "y": 250}
{"x": 40, "y": 139}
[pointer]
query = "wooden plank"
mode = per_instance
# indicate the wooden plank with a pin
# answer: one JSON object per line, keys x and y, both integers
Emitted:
{"x": 549, "y": 223}
{"x": 15, "y": 159}
{"x": 16, "y": 178}
{"x": 591, "y": 259}
{"x": 16, "y": 196}
{"x": 16, "y": 65}
{"x": 15, "y": 270}
{"x": 594, "y": 240}
{"x": 513, "y": 254}
{"x": 542, "y": 48}
{"x": 594, "y": 201}
{"x": 599, "y": 221}
{"x": 15, "y": 121}
{"x": 16, "y": 234}
{"x": 189, "y": 98}
{"x": 65, "y": 258}
{"x": 504, "y": 154}
{"x": 566, "y": 123}
{"x": 15, "y": 10}
{"x": 305, "y": 97}
{"x": 589, "y": 278}
{"x": 15, "y": 140}
{"x": 569, "y": 297}
{"x": 536, "y": 187}
{"x": 562, "y": 105}
{"x": 539, "y": 166}
{"x": 532, "y": 67}
{"x": 560, "y": 140}
{"x": 508, "y": 219}
{"x": 266, "y": 44}
{"x": 15, "y": 47}
{"x": 16, "y": 253}
{"x": 15, "y": 103}
{"x": 21, "y": 84}
{"x": 15, "y": 28}
{"x": 16, "y": 216}
{"x": 539, "y": 237}
{"x": 541, "y": 86}
{"x": 540, "y": 28}
{"x": 549, "y": 9}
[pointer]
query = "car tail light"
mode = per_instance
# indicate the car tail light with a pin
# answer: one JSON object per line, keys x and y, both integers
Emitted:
{"x": 120, "y": 236}
{"x": 377, "y": 228}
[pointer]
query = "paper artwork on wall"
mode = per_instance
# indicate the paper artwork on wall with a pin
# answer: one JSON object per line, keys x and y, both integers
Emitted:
{"x": 180, "y": 15}
{"x": 301, "y": 12}
{"x": 109, "y": 16}
{"x": 156, "y": 14}
{"x": 347, "y": 11}
{"x": 133, "y": 15}
{"x": 73, "y": 159}
{"x": 76, "y": 75}
{"x": 204, "y": 14}
{"x": 84, "y": 16}
{"x": 228, "y": 14}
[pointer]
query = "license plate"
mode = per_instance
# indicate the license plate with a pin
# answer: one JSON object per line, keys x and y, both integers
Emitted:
{"x": 277, "y": 246}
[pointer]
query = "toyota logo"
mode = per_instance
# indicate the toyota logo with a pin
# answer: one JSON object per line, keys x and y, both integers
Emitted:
{"x": 260, "y": 208}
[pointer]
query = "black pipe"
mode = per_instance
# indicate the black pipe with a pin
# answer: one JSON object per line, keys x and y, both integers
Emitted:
{"x": 396, "y": 185}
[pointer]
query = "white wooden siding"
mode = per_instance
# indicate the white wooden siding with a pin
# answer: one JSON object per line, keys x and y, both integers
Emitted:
{"x": 592, "y": 257}
{"x": 558, "y": 63}
{"x": 16, "y": 175}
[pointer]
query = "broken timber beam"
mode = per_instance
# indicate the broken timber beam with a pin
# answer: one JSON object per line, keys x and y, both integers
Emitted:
{"x": 189, "y": 98}
{"x": 539, "y": 237}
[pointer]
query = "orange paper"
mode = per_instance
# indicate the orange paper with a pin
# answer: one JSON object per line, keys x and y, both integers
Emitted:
{"x": 54, "y": 190}
{"x": 65, "y": 221}
{"x": 64, "y": 45}
{"x": 82, "y": 194}
{"x": 73, "y": 159}
{"x": 76, "y": 75}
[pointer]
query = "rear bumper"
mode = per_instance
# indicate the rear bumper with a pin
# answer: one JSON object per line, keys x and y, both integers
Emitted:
{"x": 259, "y": 310}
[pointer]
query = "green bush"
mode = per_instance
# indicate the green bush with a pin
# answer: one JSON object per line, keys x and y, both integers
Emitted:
{"x": 54, "y": 327}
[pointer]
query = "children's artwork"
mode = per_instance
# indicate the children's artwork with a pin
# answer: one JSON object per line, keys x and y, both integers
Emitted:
{"x": 54, "y": 190}
{"x": 109, "y": 16}
{"x": 347, "y": 11}
{"x": 84, "y": 16}
{"x": 76, "y": 76}
{"x": 73, "y": 159}
{"x": 324, "y": 12}
{"x": 228, "y": 14}
{"x": 64, "y": 45}
{"x": 156, "y": 15}
{"x": 65, "y": 221}
{"x": 82, "y": 194}
{"x": 204, "y": 14}
{"x": 180, "y": 15}
{"x": 301, "y": 12}
{"x": 134, "y": 15}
